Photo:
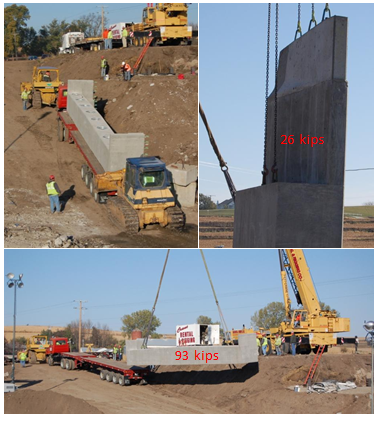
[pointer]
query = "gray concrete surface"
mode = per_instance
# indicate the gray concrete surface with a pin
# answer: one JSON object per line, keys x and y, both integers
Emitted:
{"x": 289, "y": 215}
{"x": 312, "y": 101}
{"x": 111, "y": 149}
{"x": 245, "y": 352}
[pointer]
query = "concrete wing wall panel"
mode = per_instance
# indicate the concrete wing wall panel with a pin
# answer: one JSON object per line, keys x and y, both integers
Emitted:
{"x": 319, "y": 55}
{"x": 284, "y": 215}
{"x": 317, "y": 111}
{"x": 245, "y": 352}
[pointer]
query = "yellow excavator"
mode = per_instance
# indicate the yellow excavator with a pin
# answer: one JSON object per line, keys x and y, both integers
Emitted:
{"x": 312, "y": 326}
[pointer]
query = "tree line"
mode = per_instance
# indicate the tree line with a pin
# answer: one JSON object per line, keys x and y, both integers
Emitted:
{"x": 19, "y": 39}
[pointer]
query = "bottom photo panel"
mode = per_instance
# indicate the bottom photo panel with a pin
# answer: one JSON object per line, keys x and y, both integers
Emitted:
{"x": 282, "y": 331}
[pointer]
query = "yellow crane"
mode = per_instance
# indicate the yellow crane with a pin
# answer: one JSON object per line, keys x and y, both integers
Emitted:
{"x": 312, "y": 325}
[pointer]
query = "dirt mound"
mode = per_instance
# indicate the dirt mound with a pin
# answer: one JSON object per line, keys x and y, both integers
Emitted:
{"x": 248, "y": 390}
{"x": 46, "y": 402}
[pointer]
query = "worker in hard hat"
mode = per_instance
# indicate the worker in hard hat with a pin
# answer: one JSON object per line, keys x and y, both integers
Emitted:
{"x": 126, "y": 69}
{"x": 47, "y": 77}
{"x": 103, "y": 66}
{"x": 258, "y": 346}
{"x": 25, "y": 98}
{"x": 110, "y": 39}
{"x": 53, "y": 192}
{"x": 23, "y": 358}
{"x": 278, "y": 344}
{"x": 104, "y": 36}
{"x": 124, "y": 36}
{"x": 264, "y": 345}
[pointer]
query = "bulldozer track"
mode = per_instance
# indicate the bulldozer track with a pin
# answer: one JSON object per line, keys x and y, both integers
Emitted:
{"x": 178, "y": 219}
{"x": 37, "y": 100}
{"x": 123, "y": 215}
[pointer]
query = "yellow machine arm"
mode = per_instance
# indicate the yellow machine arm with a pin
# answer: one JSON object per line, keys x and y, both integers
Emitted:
{"x": 283, "y": 274}
{"x": 298, "y": 272}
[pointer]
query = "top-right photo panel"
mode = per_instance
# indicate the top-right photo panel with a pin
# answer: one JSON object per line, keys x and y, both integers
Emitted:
{"x": 286, "y": 125}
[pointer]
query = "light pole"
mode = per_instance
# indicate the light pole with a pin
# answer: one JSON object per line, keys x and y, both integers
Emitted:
{"x": 14, "y": 283}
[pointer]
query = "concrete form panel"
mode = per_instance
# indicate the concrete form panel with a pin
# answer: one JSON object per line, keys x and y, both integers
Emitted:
{"x": 245, "y": 352}
{"x": 111, "y": 149}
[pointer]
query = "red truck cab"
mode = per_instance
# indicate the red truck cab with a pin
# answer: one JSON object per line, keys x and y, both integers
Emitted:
{"x": 56, "y": 348}
{"x": 62, "y": 97}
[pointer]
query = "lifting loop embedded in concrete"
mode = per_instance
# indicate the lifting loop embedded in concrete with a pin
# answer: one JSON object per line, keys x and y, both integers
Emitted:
{"x": 298, "y": 30}
{"x": 312, "y": 19}
{"x": 327, "y": 9}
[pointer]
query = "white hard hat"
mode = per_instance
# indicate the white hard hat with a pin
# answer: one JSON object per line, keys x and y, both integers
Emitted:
{"x": 123, "y": 62}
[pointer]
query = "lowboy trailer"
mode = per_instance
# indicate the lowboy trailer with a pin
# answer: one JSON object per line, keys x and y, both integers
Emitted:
{"x": 112, "y": 371}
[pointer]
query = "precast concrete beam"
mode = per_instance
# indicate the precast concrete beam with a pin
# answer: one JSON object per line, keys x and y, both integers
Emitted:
{"x": 111, "y": 149}
{"x": 245, "y": 352}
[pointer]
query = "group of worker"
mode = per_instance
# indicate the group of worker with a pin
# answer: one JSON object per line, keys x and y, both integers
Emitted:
{"x": 262, "y": 344}
{"x": 125, "y": 68}
{"x": 117, "y": 353}
{"x": 108, "y": 38}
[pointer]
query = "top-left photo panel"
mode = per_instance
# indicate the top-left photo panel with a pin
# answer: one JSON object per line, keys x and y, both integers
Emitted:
{"x": 101, "y": 125}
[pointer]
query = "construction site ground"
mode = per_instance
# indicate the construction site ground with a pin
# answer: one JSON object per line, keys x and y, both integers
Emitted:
{"x": 217, "y": 231}
{"x": 198, "y": 389}
{"x": 161, "y": 106}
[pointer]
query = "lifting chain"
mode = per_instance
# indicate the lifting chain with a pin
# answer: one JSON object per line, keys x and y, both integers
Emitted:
{"x": 223, "y": 164}
{"x": 274, "y": 167}
{"x": 227, "y": 337}
{"x": 312, "y": 19}
{"x": 265, "y": 169}
{"x": 145, "y": 341}
{"x": 298, "y": 30}
{"x": 327, "y": 9}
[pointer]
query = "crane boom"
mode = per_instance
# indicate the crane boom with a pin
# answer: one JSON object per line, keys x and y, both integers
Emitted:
{"x": 302, "y": 281}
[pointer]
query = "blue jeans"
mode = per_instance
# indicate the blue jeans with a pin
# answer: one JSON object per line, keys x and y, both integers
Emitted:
{"x": 127, "y": 76}
{"x": 54, "y": 203}
{"x": 264, "y": 349}
{"x": 110, "y": 44}
{"x": 293, "y": 349}
{"x": 23, "y": 363}
{"x": 106, "y": 44}
{"x": 103, "y": 71}
{"x": 278, "y": 350}
{"x": 24, "y": 103}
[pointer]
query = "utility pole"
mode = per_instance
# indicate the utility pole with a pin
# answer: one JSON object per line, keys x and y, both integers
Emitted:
{"x": 15, "y": 44}
{"x": 81, "y": 308}
{"x": 102, "y": 7}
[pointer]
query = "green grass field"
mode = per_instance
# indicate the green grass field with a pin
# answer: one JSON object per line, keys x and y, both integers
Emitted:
{"x": 366, "y": 211}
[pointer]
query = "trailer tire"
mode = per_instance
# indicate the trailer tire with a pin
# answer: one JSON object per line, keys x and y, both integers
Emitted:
{"x": 102, "y": 374}
{"x": 72, "y": 364}
{"x": 61, "y": 131}
{"x": 68, "y": 364}
{"x": 121, "y": 379}
{"x": 62, "y": 363}
{"x": 32, "y": 358}
{"x": 109, "y": 376}
{"x": 84, "y": 170}
{"x": 50, "y": 360}
{"x": 88, "y": 177}
{"x": 97, "y": 197}
{"x": 91, "y": 186}
{"x": 116, "y": 378}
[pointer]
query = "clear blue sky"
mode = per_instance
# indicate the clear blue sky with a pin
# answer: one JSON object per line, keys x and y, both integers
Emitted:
{"x": 119, "y": 282}
{"x": 232, "y": 90}
{"x": 115, "y": 12}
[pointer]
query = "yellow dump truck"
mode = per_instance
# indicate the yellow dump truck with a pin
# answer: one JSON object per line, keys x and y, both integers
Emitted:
{"x": 44, "y": 86}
